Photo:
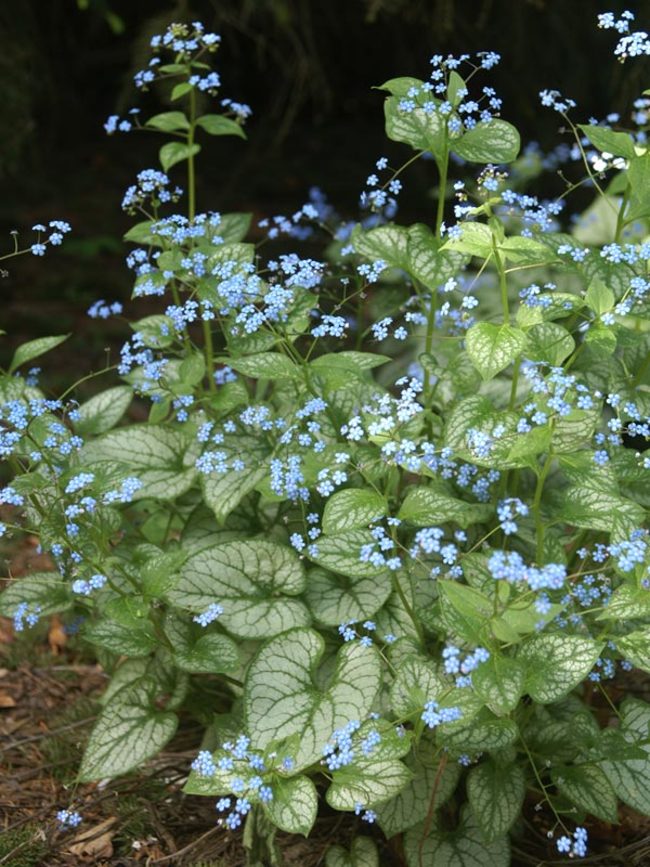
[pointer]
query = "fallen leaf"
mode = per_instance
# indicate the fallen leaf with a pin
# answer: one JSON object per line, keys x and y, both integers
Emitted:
{"x": 6, "y": 700}
{"x": 94, "y": 843}
{"x": 6, "y": 631}
{"x": 56, "y": 636}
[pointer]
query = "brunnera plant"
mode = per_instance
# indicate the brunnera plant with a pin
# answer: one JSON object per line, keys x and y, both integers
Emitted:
{"x": 408, "y": 583}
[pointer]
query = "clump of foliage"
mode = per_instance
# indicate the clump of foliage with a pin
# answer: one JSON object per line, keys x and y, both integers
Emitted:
{"x": 418, "y": 577}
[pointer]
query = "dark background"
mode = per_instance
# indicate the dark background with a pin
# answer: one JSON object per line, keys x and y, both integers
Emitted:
{"x": 307, "y": 67}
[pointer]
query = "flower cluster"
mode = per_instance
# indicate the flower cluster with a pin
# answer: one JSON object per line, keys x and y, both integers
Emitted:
{"x": 631, "y": 44}
{"x": 453, "y": 664}
{"x": 433, "y": 715}
{"x": 68, "y": 819}
{"x": 242, "y": 771}
{"x": 574, "y": 846}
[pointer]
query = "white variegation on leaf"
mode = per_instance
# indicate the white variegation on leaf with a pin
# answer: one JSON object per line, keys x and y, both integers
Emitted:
{"x": 556, "y": 663}
{"x": 493, "y": 347}
{"x": 155, "y": 454}
{"x": 130, "y": 730}
{"x": 367, "y": 781}
{"x": 631, "y": 777}
{"x": 492, "y": 141}
{"x": 411, "y": 805}
{"x": 294, "y": 805}
{"x": 334, "y": 598}
{"x": 281, "y": 701}
{"x": 352, "y": 509}
{"x": 464, "y": 847}
{"x": 363, "y": 853}
{"x": 496, "y": 794}
{"x": 255, "y": 580}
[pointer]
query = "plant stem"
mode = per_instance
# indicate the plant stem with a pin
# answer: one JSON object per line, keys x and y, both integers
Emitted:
{"x": 537, "y": 501}
{"x": 397, "y": 587}
{"x": 191, "y": 180}
{"x": 502, "y": 284}
{"x": 191, "y": 211}
{"x": 443, "y": 168}
{"x": 620, "y": 219}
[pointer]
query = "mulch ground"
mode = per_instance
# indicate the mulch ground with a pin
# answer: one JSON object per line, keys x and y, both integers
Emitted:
{"x": 49, "y": 693}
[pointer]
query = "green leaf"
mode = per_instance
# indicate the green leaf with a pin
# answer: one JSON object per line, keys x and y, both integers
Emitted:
{"x": 255, "y": 580}
{"x": 223, "y": 492}
{"x": 340, "y": 553}
{"x": 141, "y": 233}
{"x": 33, "y": 348}
{"x": 572, "y": 430}
{"x": 638, "y": 176}
{"x": 494, "y": 141}
{"x": 388, "y": 243}
{"x": 601, "y": 340}
{"x": 181, "y": 89}
{"x": 45, "y": 590}
{"x": 416, "y": 682}
{"x": 158, "y": 569}
{"x": 134, "y": 639}
{"x": 424, "y": 507}
{"x": 496, "y": 795}
{"x": 265, "y": 365}
{"x": 627, "y": 603}
{"x": 499, "y": 681}
{"x": 363, "y": 853}
{"x": 456, "y": 89}
{"x": 631, "y": 778}
{"x": 588, "y": 788}
{"x": 169, "y": 121}
{"x": 350, "y": 361}
{"x": 217, "y": 124}
{"x": 480, "y": 734}
{"x": 367, "y": 781}
{"x": 352, "y": 509}
{"x": 524, "y": 251}
{"x": 549, "y": 342}
{"x": 334, "y": 598}
{"x": 473, "y": 609}
{"x": 521, "y": 619}
{"x": 103, "y": 411}
{"x": 412, "y": 804}
{"x": 345, "y": 370}
{"x": 593, "y": 508}
{"x": 556, "y": 663}
{"x": 211, "y": 653}
{"x": 129, "y": 731}
{"x": 493, "y": 347}
{"x": 294, "y": 805}
{"x": 426, "y": 131}
{"x": 175, "y": 152}
{"x": 635, "y": 646}
{"x": 192, "y": 370}
{"x": 154, "y": 453}
{"x": 619, "y": 144}
{"x": 400, "y": 86}
{"x": 281, "y": 701}
{"x": 464, "y": 847}
{"x": 157, "y": 330}
{"x": 426, "y": 262}
{"x": 475, "y": 240}
{"x": 233, "y": 228}
{"x": 599, "y": 297}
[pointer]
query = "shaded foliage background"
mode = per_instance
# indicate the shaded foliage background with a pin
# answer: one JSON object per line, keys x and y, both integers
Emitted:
{"x": 307, "y": 68}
